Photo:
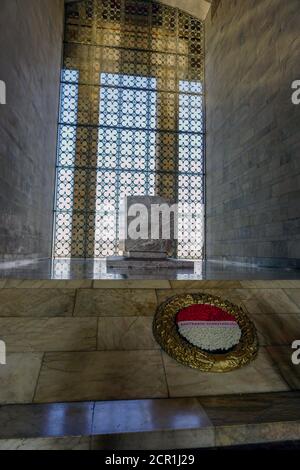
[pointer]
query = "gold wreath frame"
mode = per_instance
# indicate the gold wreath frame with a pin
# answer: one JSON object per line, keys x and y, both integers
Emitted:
{"x": 166, "y": 333}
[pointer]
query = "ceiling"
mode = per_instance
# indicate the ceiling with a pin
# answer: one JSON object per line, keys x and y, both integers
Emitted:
{"x": 198, "y": 8}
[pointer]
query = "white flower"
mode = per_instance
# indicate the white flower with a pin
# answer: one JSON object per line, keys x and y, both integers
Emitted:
{"x": 211, "y": 336}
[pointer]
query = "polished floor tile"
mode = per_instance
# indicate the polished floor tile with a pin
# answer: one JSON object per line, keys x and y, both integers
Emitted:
{"x": 49, "y": 334}
{"x": 151, "y": 424}
{"x": 115, "y": 302}
{"x": 125, "y": 333}
{"x": 148, "y": 415}
{"x": 160, "y": 424}
{"x": 267, "y": 301}
{"x": 51, "y": 420}
{"x": 156, "y": 440}
{"x": 257, "y": 433}
{"x": 294, "y": 295}
{"x": 36, "y": 302}
{"x": 259, "y": 376}
{"x": 277, "y": 328}
{"x": 252, "y": 408}
{"x": 231, "y": 295}
{"x": 61, "y": 443}
{"x": 282, "y": 357}
{"x": 19, "y": 376}
{"x": 105, "y": 375}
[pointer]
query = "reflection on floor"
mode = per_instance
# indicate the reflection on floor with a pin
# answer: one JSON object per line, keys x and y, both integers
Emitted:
{"x": 96, "y": 269}
{"x": 182, "y": 423}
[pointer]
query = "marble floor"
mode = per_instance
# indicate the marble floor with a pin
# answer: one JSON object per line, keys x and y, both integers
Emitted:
{"x": 182, "y": 423}
{"x": 90, "y": 341}
{"x": 96, "y": 269}
{"x": 104, "y": 327}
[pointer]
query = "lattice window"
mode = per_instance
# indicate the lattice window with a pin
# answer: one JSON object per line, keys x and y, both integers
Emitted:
{"x": 131, "y": 122}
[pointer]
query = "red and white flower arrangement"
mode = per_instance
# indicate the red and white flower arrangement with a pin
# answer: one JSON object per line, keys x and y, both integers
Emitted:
{"x": 208, "y": 327}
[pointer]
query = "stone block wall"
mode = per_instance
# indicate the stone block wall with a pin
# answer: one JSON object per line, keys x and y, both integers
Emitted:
{"x": 31, "y": 33}
{"x": 253, "y": 134}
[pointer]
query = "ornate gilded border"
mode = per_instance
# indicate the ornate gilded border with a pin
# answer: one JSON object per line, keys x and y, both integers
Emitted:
{"x": 166, "y": 334}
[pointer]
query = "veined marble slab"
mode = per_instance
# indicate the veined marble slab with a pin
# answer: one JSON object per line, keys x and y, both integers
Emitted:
{"x": 125, "y": 333}
{"x": 294, "y": 295}
{"x": 50, "y": 420}
{"x": 36, "y": 302}
{"x": 255, "y": 408}
{"x": 259, "y": 376}
{"x": 105, "y": 375}
{"x": 115, "y": 302}
{"x": 282, "y": 357}
{"x": 158, "y": 424}
{"x": 18, "y": 378}
{"x": 49, "y": 334}
{"x": 49, "y": 443}
{"x": 231, "y": 295}
{"x": 122, "y": 416}
{"x": 157, "y": 440}
{"x": 277, "y": 329}
{"x": 257, "y": 433}
{"x": 267, "y": 301}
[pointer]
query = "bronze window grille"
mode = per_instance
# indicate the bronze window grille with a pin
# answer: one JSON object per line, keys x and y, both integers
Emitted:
{"x": 131, "y": 122}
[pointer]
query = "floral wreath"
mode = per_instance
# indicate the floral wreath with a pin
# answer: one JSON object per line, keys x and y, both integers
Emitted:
{"x": 205, "y": 332}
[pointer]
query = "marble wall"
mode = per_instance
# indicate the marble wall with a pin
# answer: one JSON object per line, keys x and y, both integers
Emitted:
{"x": 253, "y": 139}
{"x": 30, "y": 59}
{"x": 91, "y": 340}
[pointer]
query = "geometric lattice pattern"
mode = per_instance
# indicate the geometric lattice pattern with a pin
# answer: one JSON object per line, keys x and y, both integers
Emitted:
{"x": 130, "y": 122}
